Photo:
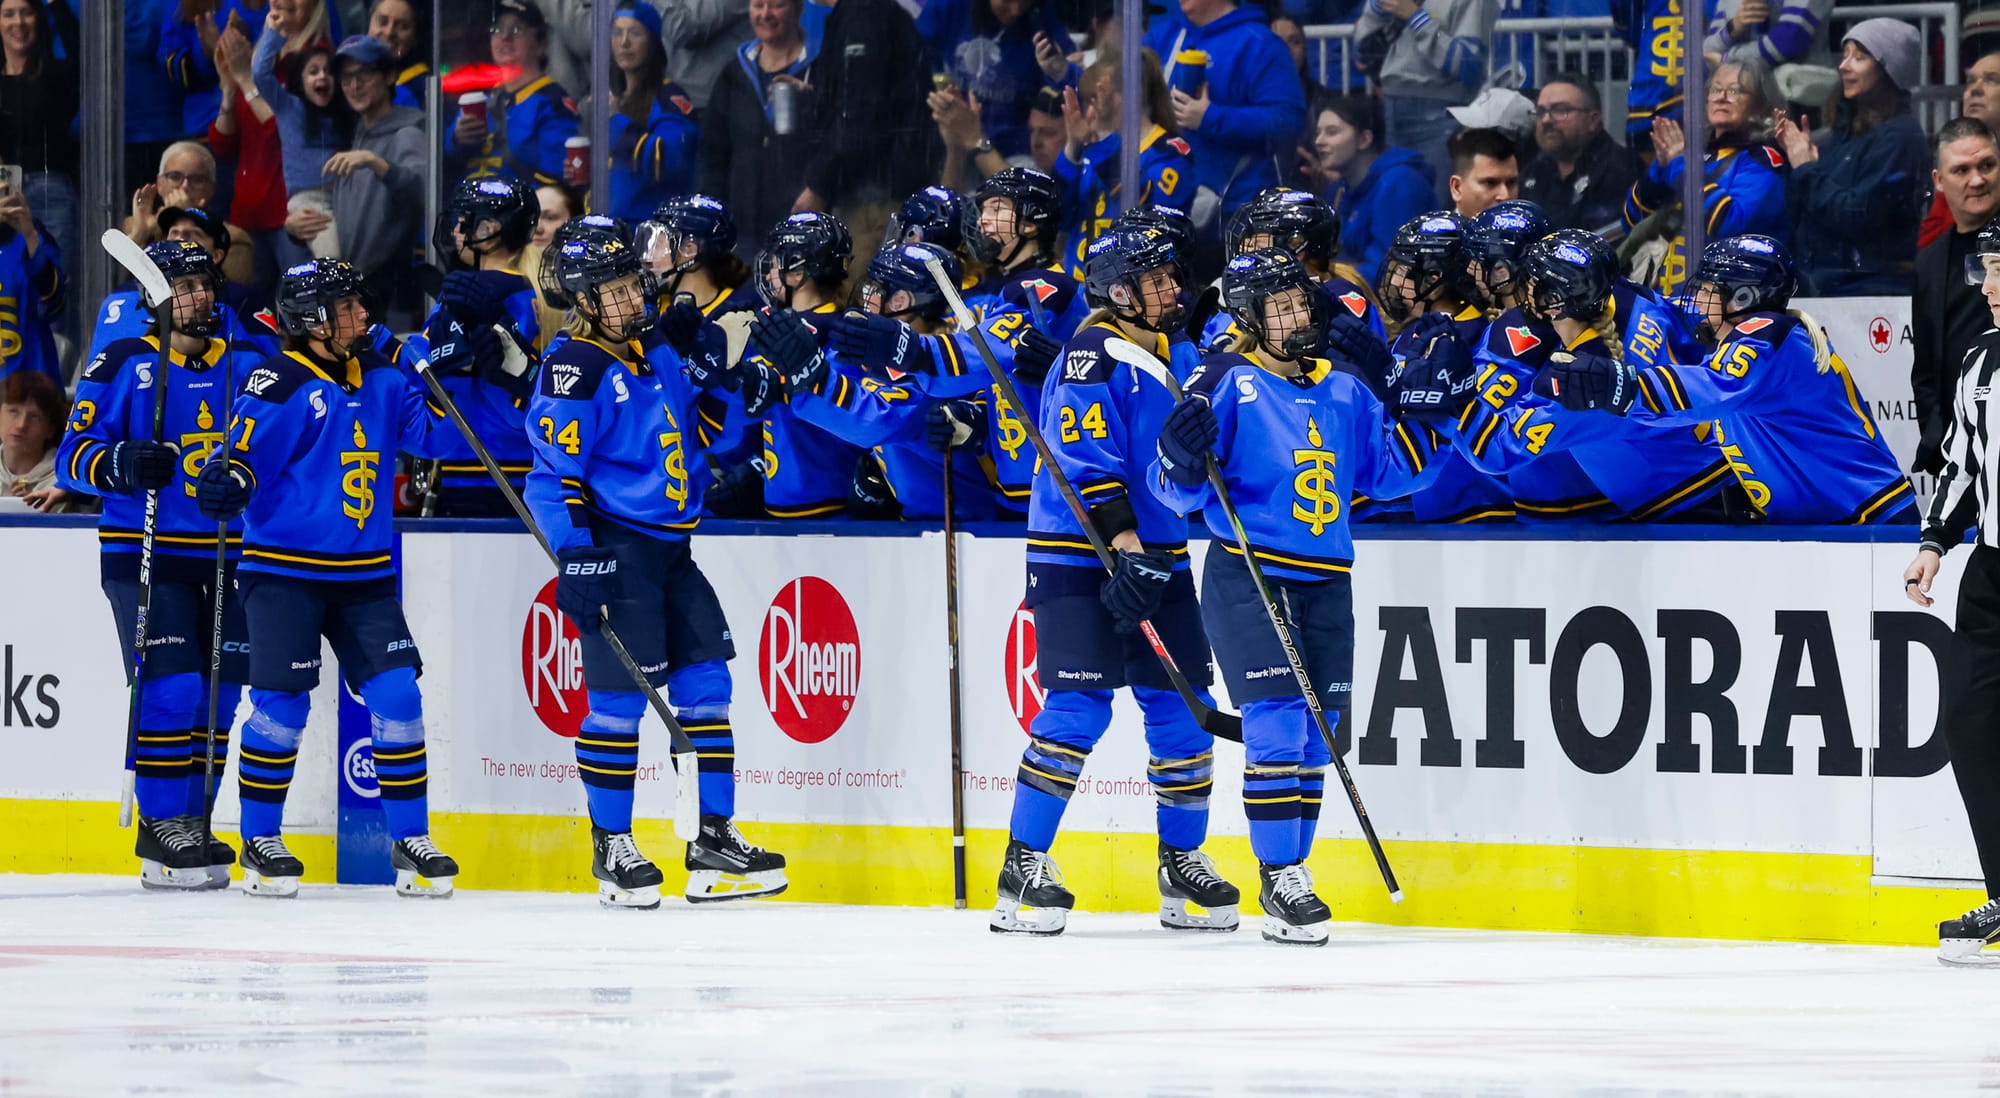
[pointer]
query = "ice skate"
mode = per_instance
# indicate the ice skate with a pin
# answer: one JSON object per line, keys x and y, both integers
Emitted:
{"x": 625, "y": 877}
{"x": 722, "y": 865}
{"x": 421, "y": 868}
{"x": 220, "y": 855}
{"x": 269, "y": 869}
{"x": 1193, "y": 896}
{"x": 170, "y": 857}
{"x": 1293, "y": 915}
{"x": 1032, "y": 897}
{"x": 1962, "y": 941}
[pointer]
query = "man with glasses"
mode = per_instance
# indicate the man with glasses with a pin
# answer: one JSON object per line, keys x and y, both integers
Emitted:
{"x": 1580, "y": 175}
{"x": 186, "y": 180}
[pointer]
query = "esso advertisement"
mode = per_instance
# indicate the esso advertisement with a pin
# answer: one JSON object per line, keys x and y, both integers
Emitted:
{"x": 357, "y": 767}
{"x": 552, "y": 665}
{"x": 1024, "y": 687}
{"x": 809, "y": 659}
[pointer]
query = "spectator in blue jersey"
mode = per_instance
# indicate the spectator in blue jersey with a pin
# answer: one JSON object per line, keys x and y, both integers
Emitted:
{"x": 653, "y": 132}
{"x": 378, "y": 184}
{"x": 1655, "y": 29}
{"x": 1093, "y": 113}
{"x": 1246, "y": 116}
{"x": 32, "y": 289}
{"x": 1376, "y": 189}
{"x": 1857, "y": 202}
{"x": 743, "y": 154}
{"x": 520, "y": 131}
{"x": 1426, "y": 57}
{"x": 152, "y": 103}
{"x": 988, "y": 48}
{"x": 403, "y": 27}
{"x": 1784, "y": 33}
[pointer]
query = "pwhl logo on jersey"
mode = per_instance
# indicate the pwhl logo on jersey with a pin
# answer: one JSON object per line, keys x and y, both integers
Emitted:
{"x": 1024, "y": 687}
{"x": 809, "y": 659}
{"x": 552, "y": 665}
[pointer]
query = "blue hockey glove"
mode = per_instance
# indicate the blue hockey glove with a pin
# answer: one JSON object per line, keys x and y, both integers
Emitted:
{"x": 679, "y": 324}
{"x": 792, "y": 345}
{"x": 882, "y": 342}
{"x": 221, "y": 491}
{"x": 758, "y": 384}
{"x": 870, "y": 497}
{"x": 586, "y": 580}
{"x": 1588, "y": 383}
{"x": 1135, "y": 590}
{"x": 1034, "y": 353}
{"x": 1186, "y": 440}
{"x": 1434, "y": 377}
{"x": 478, "y": 298}
{"x": 738, "y": 493}
{"x": 1349, "y": 339}
{"x": 140, "y": 465}
{"x": 956, "y": 425}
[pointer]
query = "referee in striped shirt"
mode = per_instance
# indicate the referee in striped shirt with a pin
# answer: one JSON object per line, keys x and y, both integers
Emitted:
{"x": 1968, "y": 494}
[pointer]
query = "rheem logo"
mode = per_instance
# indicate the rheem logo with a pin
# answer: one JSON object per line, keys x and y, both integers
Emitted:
{"x": 552, "y": 665}
{"x": 1024, "y": 687}
{"x": 809, "y": 659}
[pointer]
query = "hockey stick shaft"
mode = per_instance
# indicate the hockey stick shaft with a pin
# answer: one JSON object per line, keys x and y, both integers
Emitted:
{"x": 221, "y": 592}
{"x": 687, "y": 802}
{"x": 957, "y": 727}
{"x": 1216, "y": 723}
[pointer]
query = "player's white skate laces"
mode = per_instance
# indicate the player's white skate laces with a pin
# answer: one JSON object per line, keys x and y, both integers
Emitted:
{"x": 1293, "y": 914}
{"x": 625, "y": 877}
{"x": 1962, "y": 941}
{"x": 1193, "y": 896}
{"x": 1032, "y": 899}
{"x": 422, "y": 870}
{"x": 170, "y": 856}
{"x": 269, "y": 869}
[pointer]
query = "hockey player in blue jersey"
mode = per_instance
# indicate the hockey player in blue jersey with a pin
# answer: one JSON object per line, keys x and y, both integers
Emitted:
{"x": 312, "y": 451}
{"x": 1427, "y": 273}
{"x": 1294, "y": 439}
{"x": 1577, "y": 303}
{"x": 689, "y": 245}
{"x": 616, "y": 488}
{"x": 1774, "y": 395}
{"x": 110, "y": 450}
{"x": 242, "y": 316}
{"x": 1016, "y": 231}
{"x": 1303, "y": 224}
{"x": 1100, "y": 416}
{"x": 483, "y": 339}
{"x": 934, "y": 215}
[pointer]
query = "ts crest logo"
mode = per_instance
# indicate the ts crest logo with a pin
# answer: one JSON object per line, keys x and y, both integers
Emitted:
{"x": 1316, "y": 501}
{"x": 197, "y": 445}
{"x": 357, "y": 482}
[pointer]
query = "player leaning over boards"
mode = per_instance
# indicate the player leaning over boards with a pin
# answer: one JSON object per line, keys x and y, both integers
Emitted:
{"x": 1100, "y": 417}
{"x": 618, "y": 429}
{"x": 1016, "y": 232}
{"x": 110, "y": 450}
{"x": 315, "y": 435}
{"x": 1295, "y": 439}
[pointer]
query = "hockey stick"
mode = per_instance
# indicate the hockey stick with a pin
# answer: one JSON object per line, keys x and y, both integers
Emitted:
{"x": 158, "y": 294}
{"x": 957, "y": 734}
{"x": 221, "y": 588}
{"x": 1136, "y": 356}
{"x": 1225, "y": 726}
{"x": 687, "y": 788}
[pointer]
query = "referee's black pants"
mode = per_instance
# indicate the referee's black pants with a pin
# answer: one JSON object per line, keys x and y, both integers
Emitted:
{"x": 1972, "y": 687}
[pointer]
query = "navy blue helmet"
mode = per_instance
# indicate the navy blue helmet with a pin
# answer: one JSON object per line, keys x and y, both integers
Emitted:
{"x": 1499, "y": 237}
{"x": 1570, "y": 273}
{"x": 587, "y": 227}
{"x": 1178, "y": 226}
{"x": 1298, "y": 221}
{"x": 308, "y": 292}
{"x": 901, "y": 267}
{"x": 1037, "y": 200}
{"x": 178, "y": 259}
{"x": 1426, "y": 258}
{"x": 1255, "y": 277}
{"x": 934, "y": 215}
{"x": 585, "y": 264}
{"x": 815, "y": 245}
{"x": 507, "y": 203}
{"x": 1750, "y": 273}
{"x": 1122, "y": 257}
{"x": 684, "y": 232}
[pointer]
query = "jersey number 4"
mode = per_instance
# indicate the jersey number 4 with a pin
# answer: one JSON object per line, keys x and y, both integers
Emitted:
{"x": 1093, "y": 421}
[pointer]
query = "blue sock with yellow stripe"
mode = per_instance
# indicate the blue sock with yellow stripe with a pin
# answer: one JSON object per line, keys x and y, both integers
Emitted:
{"x": 700, "y": 694}
{"x": 1312, "y": 780}
{"x": 1069, "y": 724}
{"x": 1181, "y": 767}
{"x": 266, "y": 757}
{"x": 163, "y": 753}
{"x": 1271, "y": 791}
{"x": 607, "y": 756}
{"x": 200, "y": 796}
{"x": 402, "y": 766}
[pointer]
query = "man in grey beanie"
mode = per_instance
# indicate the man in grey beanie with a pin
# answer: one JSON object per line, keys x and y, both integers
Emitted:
{"x": 1856, "y": 201}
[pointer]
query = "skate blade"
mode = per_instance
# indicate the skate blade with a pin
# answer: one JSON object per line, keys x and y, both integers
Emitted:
{"x": 634, "y": 899}
{"x": 274, "y": 888}
{"x": 1967, "y": 953}
{"x": 157, "y": 877}
{"x": 408, "y": 883}
{"x": 1283, "y": 933}
{"x": 1177, "y": 914}
{"x": 1009, "y": 917}
{"x": 218, "y": 878}
{"x": 713, "y": 886}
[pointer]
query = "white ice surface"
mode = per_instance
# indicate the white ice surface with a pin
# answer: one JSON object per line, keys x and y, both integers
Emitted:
{"x": 107, "y": 990}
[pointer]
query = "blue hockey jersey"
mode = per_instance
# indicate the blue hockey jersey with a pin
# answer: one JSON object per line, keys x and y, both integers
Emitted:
{"x": 1091, "y": 197}
{"x": 808, "y": 470}
{"x": 1459, "y": 492}
{"x": 1292, "y": 454}
{"x": 498, "y": 416}
{"x": 618, "y": 434}
{"x": 653, "y": 158}
{"x": 319, "y": 442}
{"x": 526, "y": 131}
{"x": 32, "y": 293}
{"x": 1743, "y": 191}
{"x": 244, "y": 319}
{"x": 1547, "y": 487}
{"x": 1656, "y": 31}
{"x": 114, "y": 403}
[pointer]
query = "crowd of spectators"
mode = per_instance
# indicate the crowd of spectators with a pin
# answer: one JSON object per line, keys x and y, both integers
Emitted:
{"x": 299, "y": 141}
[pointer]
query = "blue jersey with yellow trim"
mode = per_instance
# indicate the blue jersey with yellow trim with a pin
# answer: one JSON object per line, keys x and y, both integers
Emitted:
{"x": 1091, "y": 186}
{"x": 526, "y": 130}
{"x": 1549, "y": 487}
{"x": 114, "y": 403}
{"x": 888, "y": 416}
{"x": 244, "y": 320}
{"x": 1656, "y": 31}
{"x": 1292, "y": 453}
{"x": 618, "y": 433}
{"x": 1052, "y": 300}
{"x": 808, "y": 470}
{"x": 496, "y": 415}
{"x": 1341, "y": 294}
{"x": 319, "y": 440}
{"x": 1459, "y": 492}
{"x": 32, "y": 293}
{"x": 1743, "y": 191}
{"x": 1009, "y": 460}
{"x": 653, "y": 159}
{"x": 1102, "y": 419}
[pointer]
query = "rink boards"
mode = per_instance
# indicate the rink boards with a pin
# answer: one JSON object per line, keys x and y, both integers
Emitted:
{"x": 1733, "y": 738}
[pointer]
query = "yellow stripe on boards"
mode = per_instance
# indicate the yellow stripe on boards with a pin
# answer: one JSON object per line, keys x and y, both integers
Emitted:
{"x": 84, "y": 837}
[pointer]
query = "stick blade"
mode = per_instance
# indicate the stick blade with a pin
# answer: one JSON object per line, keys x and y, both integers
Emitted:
{"x": 687, "y": 798}
{"x": 1142, "y": 360}
{"x": 139, "y": 265}
{"x": 1223, "y": 726}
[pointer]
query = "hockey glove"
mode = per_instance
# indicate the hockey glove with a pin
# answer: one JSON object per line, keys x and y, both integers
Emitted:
{"x": 758, "y": 384}
{"x": 679, "y": 324}
{"x": 1434, "y": 379}
{"x": 504, "y": 363}
{"x": 140, "y": 465}
{"x": 586, "y": 580}
{"x": 706, "y": 356}
{"x": 870, "y": 496}
{"x": 792, "y": 345}
{"x": 221, "y": 491}
{"x": 738, "y": 493}
{"x": 1588, "y": 383}
{"x": 478, "y": 298}
{"x": 956, "y": 425}
{"x": 1186, "y": 440}
{"x": 1136, "y": 588}
{"x": 1349, "y": 339}
{"x": 882, "y": 342}
{"x": 1033, "y": 355}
